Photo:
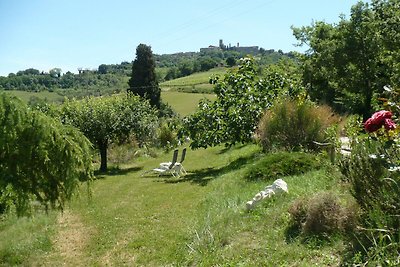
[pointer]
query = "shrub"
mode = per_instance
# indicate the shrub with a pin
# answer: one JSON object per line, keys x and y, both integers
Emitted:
{"x": 124, "y": 152}
{"x": 375, "y": 179}
{"x": 294, "y": 125}
{"x": 167, "y": 137}
{"x": 323, "y": 214}
{"x": 280, "y": 164}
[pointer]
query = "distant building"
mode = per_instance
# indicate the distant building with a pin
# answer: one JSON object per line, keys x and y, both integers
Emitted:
{"x": 238, "y": 48}
{"x": 210, "y": 48}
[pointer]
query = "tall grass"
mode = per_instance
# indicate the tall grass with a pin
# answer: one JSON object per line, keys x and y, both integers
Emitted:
{"x": 294, "y": 125}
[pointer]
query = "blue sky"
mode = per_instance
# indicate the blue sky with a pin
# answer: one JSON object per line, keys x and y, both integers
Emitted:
{"x": 45, "y": 34}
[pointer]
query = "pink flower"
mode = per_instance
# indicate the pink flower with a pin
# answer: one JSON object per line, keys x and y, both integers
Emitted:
{"x": 379, "y": 119}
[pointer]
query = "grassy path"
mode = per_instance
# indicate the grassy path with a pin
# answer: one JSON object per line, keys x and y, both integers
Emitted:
{"x": 138, "y": 219}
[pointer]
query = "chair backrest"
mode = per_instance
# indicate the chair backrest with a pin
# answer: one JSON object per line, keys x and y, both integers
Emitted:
{"x": 183, "y": 155}
{"x": 174, "y": 159}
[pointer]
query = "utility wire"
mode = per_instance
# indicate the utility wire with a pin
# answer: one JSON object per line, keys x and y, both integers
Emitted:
{"x": 217, "y": 23}
{"x": 197, "y": 20}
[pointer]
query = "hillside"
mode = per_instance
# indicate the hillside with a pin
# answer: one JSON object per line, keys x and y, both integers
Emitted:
{"x": 194, "y": 83}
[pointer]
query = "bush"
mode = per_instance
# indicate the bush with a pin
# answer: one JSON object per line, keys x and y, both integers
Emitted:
{"x": 323, "y": 214}
{"x": 276, "y": 165}
{"x": 124, "y": 152}
{"x": 167, "y": 136}
{"x": 294, "y": 125}
{"x": 375, "y": 179}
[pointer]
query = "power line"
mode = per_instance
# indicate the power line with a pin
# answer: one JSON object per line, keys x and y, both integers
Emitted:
{"x": 197, "y": 20}
{"x": 218, "y": 22}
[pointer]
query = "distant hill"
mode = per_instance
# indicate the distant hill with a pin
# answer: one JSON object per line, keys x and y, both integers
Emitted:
{"x": 111, "y": 78}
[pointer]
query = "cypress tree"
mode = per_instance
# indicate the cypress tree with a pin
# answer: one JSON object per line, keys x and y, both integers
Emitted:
{"x": 143, "y": 81}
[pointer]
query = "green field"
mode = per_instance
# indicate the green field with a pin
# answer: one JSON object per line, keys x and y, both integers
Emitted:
{"x": 184, "y": 103}
{"x": 196, "y": 220}
{"x": 51, "y": 97}
{"x": 195, "y": 83}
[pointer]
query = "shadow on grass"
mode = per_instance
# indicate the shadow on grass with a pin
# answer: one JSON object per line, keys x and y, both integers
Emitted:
{"x": 233, "y": 147}
{"x": 113, "y": 171}
{"x": 203, "y": 176}
{"x": 292, "y": 233}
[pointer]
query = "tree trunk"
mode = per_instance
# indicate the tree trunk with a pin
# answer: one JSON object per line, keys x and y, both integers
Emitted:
{"x": 368, "y": 101}
{"x": 103, "y": 155}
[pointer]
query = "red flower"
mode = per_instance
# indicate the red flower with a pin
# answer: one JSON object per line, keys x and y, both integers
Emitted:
{"x": 389, "y": 124}
{"x": 371, "y": 126}
{"x": 379, "y": 119}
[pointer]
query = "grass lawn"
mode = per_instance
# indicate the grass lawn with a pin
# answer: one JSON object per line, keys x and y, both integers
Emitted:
{"x": 195, "y": 220}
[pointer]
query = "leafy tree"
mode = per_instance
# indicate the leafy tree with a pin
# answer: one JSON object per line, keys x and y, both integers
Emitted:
{"x": 207, "y": 63}
{"x": 55, "y": 72}
{"x": 172, "y": 73}
{"x": 102, "y": 69}
{"x": 186, "y": 68}
{"x": 348, "y": 64}
{"x": 143, "y": 81}
{"x": 30, "y": 71}
{"x": 231, "y": 61}
{"x": 39, "y": 157}
{"x": 241, "y": 99}
{"x": 105, "y": 120}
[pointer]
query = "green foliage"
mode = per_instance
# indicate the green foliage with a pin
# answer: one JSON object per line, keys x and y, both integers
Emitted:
{"x": 294, "y": 125}
{"x": 167, "y": 136}
{"x": 143, "y": 81}
{"x": 372, "y": 170}
{"x": 87, "y": 82}
{"x": 231, "y": 61}
{"x": 39, "y": 157}
{"x": 350, "y": 62}
{"x": 104, "y": 120}
{"x": 277, "y": 165}
{"x": 241, "y": 98}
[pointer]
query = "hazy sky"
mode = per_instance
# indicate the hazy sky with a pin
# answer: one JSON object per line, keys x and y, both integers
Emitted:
{"x": 68, "y": 34}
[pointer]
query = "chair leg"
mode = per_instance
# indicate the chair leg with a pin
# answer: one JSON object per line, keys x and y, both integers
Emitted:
{"x": 183, "y": 170}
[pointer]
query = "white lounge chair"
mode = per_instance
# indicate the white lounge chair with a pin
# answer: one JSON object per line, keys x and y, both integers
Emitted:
{"x": 169, "y": 167}
{"x": 178, "y": 165}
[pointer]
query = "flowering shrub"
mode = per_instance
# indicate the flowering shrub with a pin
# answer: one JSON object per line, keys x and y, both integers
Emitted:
{"x": 379, "y": 119}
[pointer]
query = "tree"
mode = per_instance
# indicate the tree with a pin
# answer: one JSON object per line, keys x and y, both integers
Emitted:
{"x": 231, "y": 61}
{"x": 143, "y": 81}
{"x": 348, "y": 64}
{"x": 39, "y": 157}
{"x": 55, "y": 72}
{"x": 241, "y": 99}
{"x": 105, "y": 120}
{"x": 103, "y": 68}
